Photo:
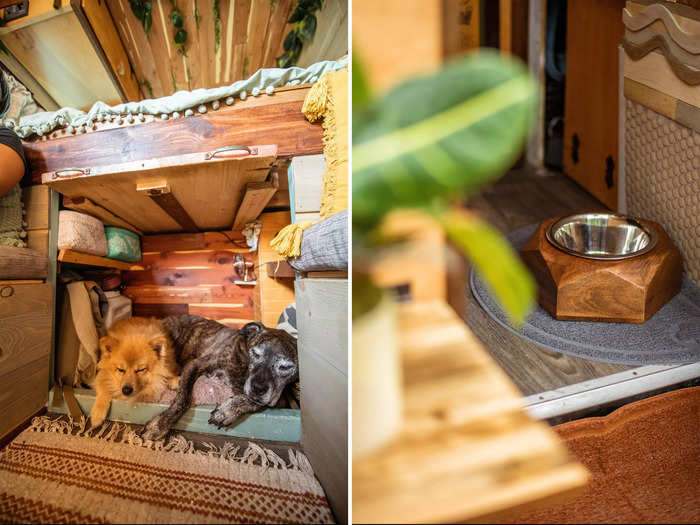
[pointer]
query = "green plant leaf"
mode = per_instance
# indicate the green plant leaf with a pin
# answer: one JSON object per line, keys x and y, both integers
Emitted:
{"x": 181, "y": 36}
{"x": 494, "y": 258}
{"x": 291, "y": 41}
{"x": 176, "y": 19}
{"x": 436, "y": 137}
{"x": 307, "y": 29}
{"x": 284, "y": 60}
{"x": 297, "y": 15}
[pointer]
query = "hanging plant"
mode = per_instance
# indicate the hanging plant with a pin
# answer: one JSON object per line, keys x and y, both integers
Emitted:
{"x": 142, "y": 11}
{"x": 177, "y": 20}
{"x": 304, "y": 29}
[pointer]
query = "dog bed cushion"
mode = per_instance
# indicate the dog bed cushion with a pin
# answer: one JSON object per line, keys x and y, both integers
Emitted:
{"x": 82, "y": 233}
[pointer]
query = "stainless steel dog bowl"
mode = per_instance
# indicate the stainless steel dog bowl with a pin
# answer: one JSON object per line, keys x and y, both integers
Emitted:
{"x": 603, "y": 236}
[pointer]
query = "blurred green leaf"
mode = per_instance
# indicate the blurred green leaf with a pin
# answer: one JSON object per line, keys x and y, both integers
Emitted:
{"x": 496, "y": 261}
{"x": 180, "y": 36}
{"x": 176, "y": 19}
{"x": 438, "y": 136}
{"x": 307, "y": 29}
{"x": 361, "y": 93}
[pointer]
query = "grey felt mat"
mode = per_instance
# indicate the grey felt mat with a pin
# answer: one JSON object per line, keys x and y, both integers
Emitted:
{"x": 671, "y": 336}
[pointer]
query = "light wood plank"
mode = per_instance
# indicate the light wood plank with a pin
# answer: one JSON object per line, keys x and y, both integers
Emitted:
{"x": 457, "y": 457}
{"x": 322, "y": 324}
{"x": 36, "y": 205}
{"x": 653, "y": 71}
{"x": 650, "y": 98}
{"x": 273, "y": 294}
{"x": 70, "y": 256}
{"x": 211, "y": 204}
{"x": 22, "y": 263}
{"x": 101, "y": 22}
{"x": 376, "y": 26}
{"x": 107, "y": 217}
{"x": 256, "y": 197}
{"x": 38, "y": 240}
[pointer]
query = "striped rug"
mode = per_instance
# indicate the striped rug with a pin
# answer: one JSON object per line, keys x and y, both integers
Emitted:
{"x": 60, "y": 472}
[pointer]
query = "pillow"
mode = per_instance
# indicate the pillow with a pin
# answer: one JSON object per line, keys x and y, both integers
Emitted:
{"x": 324, "y": 245}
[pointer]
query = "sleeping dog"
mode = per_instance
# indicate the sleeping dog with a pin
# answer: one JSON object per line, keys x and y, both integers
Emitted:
{"x": 256, "y": 362}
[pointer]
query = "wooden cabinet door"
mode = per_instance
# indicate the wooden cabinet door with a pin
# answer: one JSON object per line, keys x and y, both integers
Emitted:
{"x": 25, "y": 347}
{"x": 322, "y": 324}
{"x": 191, "y": 192}
{"x": 594, "y": 32}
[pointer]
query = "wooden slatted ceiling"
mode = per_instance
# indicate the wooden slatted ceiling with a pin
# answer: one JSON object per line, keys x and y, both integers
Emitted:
{"x": 192, "y": 273}
{"x": 251, "y": 35}
{"x": 210, "y": 190}
{"x": 275, "y": 119}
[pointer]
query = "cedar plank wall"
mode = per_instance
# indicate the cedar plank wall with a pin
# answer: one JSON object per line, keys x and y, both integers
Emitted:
{"x": 266, "y": 119}
{"x": 192, "y": 273}
{"x": 272, "y": 295}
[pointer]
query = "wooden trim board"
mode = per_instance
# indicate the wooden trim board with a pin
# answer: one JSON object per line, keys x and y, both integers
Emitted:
{"x": 70, "y": 256}
{"x": 266, "y": 119}
{"x": 611, "y": 388}
{"x": 466, "y": 449}
{"x": 272, "y": 424}
{"x": 654, "y": 71}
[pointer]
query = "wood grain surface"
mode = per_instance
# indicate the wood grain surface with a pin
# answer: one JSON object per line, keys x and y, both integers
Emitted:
{"x": 267, "y": 119}
{"x": 467, "y": 449}
{"x": 193, "y": 191}
{"x": 272, "y": 295}
{"x": 191, "y": 273}
{"x": 519, "y": 199}
{"x": 572, "y": 288}
{"x": 70, "y": 256}
{"x": 25, "y": 345}
{"x": 594, "y": 30}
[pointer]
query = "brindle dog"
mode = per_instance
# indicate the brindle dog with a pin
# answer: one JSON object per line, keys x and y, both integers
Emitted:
{"x": 257, "y": 363}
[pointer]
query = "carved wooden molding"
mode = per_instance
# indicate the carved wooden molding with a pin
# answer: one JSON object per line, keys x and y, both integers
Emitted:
{"x": 650, "y": 14}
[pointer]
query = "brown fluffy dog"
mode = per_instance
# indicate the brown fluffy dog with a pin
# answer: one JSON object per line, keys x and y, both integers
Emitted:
{"x": 137, "y": 363}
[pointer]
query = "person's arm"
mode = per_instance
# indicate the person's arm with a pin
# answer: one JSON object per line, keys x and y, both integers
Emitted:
{"x": 12, "y": 163}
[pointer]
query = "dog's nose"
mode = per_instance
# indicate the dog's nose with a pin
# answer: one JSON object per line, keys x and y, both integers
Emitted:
{"x": 127, "y": 390}
{"x": 259, "y": 388}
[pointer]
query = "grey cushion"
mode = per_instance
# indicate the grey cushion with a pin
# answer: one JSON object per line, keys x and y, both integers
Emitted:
{"x": 324, "y": 245}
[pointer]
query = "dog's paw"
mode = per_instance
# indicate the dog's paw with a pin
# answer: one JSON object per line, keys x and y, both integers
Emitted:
{"x": 222, "y": 417}
{"x": 96, "y": 420}
{"x": 155, "y": 430}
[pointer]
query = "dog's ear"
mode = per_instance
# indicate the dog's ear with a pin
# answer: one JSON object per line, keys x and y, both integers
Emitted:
{"x": 107, "y": 344}
{"x": 160, "y": 345}
{"x": 251, "y": 329}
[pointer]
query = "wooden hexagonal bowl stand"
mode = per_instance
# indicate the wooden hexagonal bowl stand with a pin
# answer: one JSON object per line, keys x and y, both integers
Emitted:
{"x": 630, "y": 290}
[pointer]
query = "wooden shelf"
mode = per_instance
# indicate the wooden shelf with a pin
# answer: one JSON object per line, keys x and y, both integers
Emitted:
{"x": 467, "y": 450}
{"x": 70, "y": 256}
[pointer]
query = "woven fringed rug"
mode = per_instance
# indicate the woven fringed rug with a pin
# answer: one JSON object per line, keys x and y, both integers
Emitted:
{"x": 59, "y": 471}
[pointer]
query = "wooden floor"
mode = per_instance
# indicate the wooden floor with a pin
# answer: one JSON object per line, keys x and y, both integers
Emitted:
{"x": 518, "y": 199}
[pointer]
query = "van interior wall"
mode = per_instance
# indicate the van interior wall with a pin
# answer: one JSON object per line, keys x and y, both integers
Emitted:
{"x": 193, "y": 273}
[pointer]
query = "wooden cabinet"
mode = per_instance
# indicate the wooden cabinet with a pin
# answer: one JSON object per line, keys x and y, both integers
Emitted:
{"x": 322, "y": 324}
{"x": 594, "y": 32}
{"x": 26, "y": 321}
{"x": 51, "y": 51}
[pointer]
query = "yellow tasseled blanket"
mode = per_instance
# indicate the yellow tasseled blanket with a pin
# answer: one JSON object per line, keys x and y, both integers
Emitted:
{"x": 328, "y": 98}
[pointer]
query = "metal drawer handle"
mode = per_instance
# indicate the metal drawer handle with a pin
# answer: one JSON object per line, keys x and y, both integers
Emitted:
{"x": 214, "y": 153}
{"x": 80, "y": 171}
{"x": 7, "y": 291}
